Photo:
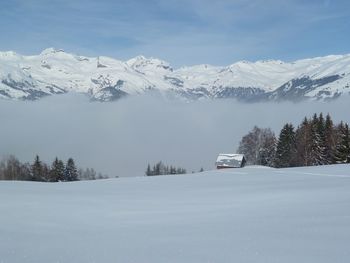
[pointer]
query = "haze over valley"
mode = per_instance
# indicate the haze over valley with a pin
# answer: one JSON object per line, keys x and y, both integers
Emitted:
{"x": 121, "y": 138}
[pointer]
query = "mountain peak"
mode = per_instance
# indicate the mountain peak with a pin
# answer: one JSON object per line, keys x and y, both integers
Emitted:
{"x": 5, "y": 54}
{"x": 142, "y": 59}
{"x": 270, "y": 61}
{"x": 55, "y": 71}
{"x": 143, "y": 64}
{"x": 51, "y": 50}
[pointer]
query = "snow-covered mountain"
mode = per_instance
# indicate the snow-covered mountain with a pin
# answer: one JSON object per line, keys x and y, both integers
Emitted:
{"x": 102, "y": 78}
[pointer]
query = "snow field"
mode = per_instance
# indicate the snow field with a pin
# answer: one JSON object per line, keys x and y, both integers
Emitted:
{"x": 254, "y": 214}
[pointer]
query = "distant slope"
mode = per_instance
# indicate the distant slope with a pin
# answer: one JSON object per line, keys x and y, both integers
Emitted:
{"x": 254, "y": 214}
{"x": 102, "y": 78}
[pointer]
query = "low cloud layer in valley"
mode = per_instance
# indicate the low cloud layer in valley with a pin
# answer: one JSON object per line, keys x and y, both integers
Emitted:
{"x": 120, "y": 138}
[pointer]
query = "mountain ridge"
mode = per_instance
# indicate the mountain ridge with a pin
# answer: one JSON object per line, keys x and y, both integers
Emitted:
{"x": 55, "y": 71}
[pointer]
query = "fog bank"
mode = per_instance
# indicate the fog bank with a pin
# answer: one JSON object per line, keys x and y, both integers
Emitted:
{"x": 122, "y": 137}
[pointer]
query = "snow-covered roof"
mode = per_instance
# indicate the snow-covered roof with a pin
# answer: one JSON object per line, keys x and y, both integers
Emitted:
{"x": 229, "y": 160}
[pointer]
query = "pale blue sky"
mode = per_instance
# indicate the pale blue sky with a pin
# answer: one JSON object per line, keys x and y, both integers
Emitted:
{"x": 183, "y": 32}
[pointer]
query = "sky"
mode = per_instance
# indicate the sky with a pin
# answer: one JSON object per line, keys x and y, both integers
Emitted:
{"x": 182, "y": 32}
{"x": 120, "y": 139}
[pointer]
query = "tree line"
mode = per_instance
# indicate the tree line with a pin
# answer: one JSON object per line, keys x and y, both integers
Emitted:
{"x": 315, "y": 141}
{"x": 12, "y": 169}
{"x": 162, "y": 169}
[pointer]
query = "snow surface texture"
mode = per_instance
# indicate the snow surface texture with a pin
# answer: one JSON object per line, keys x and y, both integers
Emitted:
{"x": 253, "y": 214}
{"x": 102, "y": 78}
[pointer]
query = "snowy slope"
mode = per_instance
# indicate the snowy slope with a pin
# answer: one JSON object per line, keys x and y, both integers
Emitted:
{"x": 102, "y": 78}
{"x": 254, "y": 214}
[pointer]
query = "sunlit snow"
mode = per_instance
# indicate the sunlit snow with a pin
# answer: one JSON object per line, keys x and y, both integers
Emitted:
{"x": 253, "y": 214}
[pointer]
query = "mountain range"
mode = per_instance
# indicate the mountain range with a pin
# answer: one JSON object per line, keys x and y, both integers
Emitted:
{"x": 55, "y": 71}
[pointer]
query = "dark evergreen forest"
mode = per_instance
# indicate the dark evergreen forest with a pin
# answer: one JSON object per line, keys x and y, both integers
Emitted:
{"x": 315, "y": 141}
{"x": 12, "y": 169}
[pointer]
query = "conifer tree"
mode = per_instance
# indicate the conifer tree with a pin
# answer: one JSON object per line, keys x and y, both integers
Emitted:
{"x": 320, "y": 125}
{"x": 321, "y": 130}
{"x": 286, "y": 148}
{"x": 329, "y": 140}
{"x": 57, "y": 170}
{"x": 162, "y": 169}
{"x": 317, "y": 148}
{"x": 148, "y": 171}
{"x": 342, "y": 154}
{"x": 37, "y": 169}
{"x": 303, "y": 143}
{"x": 70, "y": 173}
{"x": 158, "y": 168}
